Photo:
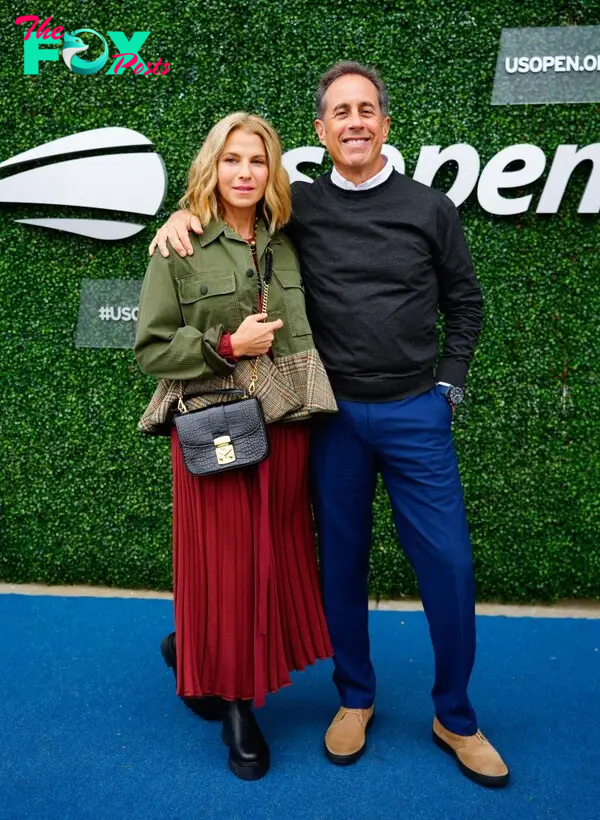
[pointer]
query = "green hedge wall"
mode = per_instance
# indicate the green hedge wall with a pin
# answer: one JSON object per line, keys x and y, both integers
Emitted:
{"x": 85, "y": 499}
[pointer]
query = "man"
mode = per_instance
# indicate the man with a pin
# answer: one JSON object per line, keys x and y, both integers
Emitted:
{"x": 380, "y": 253}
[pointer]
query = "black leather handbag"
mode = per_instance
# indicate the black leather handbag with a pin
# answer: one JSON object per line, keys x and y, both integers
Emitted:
{"x": 224, "y": 436}
{"x": 230, "y": 435}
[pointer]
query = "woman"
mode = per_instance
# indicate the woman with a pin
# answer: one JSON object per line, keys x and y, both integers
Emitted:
{"x": 247, "y": 605}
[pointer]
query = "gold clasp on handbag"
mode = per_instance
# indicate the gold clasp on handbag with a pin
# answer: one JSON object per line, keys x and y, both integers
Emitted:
{"x": 224, "y": 450}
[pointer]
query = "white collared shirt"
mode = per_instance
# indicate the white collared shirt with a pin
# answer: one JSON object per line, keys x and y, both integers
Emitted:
{"x": 380, "y": 177}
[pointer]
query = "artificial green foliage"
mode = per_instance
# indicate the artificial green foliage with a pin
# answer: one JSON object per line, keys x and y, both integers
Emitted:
{"x": 86, "y": 499}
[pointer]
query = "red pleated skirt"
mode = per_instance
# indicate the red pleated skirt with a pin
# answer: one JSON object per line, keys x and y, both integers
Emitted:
{"x": 248, "y": 609}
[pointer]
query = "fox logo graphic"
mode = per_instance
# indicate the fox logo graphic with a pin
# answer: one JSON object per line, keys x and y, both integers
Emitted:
{"x": 133, "y": 182}
{"x": 72, "y": 45}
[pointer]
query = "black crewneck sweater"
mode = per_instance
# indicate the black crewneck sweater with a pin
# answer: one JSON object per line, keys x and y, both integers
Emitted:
{"x": 376, "y": 265}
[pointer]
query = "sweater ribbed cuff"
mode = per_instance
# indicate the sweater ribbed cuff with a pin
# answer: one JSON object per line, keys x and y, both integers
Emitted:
{"x": 211, "y": 343}
{"x": 452, "y": 371}
{"x": 226, "y": 348}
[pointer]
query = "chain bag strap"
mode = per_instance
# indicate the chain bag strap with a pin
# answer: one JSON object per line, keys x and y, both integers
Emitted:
{"x": 265, "y": 299}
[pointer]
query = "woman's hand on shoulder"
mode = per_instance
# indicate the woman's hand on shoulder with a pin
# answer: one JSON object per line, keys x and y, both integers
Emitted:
{"x": 176, "y": 229}
{"x": 254, "y": 336}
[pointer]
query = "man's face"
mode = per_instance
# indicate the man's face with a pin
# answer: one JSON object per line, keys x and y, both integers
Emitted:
{"x": 353, "y": 128}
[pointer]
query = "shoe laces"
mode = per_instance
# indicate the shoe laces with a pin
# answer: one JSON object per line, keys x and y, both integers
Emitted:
{"x": 360, "y": 714}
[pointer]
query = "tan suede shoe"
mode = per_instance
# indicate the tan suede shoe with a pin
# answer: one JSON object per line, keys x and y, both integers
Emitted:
{"x": 345, "y": 740}
{"x": 476, "y": 756}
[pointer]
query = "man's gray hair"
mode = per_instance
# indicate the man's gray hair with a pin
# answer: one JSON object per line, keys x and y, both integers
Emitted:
{"x": 342, "y": 70}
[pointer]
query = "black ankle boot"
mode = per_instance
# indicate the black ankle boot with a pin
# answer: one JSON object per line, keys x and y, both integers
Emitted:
{"x": 209, "y": 707}
{"x": 248, "y": 751}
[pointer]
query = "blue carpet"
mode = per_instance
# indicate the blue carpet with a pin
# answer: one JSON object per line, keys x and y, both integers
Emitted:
{"x": 90, "y": 726}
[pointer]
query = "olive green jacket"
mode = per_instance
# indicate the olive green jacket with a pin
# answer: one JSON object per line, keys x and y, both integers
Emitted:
{"x": 186, "y": 305}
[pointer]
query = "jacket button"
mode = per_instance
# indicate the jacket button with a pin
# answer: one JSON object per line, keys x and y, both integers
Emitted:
{"x": 203, "y": 290}
{"x": 249, "y": 272}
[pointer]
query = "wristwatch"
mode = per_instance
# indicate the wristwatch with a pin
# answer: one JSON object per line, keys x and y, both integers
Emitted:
{"x": 454, "y": 395}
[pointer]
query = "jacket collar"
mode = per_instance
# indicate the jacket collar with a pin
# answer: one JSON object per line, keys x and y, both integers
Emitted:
{"x": 212, "y": 231}
{"x": 216, "y": 227}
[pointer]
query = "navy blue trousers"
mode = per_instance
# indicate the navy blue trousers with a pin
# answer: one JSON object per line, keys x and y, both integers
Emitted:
{"x": 410, "y": 443}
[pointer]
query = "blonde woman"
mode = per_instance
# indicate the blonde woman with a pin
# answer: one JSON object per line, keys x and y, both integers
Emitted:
{"x": 246, "y": 595}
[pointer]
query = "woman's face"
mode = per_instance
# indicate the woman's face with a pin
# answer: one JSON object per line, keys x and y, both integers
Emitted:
{"x": 242, "y": 171}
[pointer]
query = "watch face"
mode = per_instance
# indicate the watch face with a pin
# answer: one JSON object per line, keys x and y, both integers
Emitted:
{"x": 455, "y": 395}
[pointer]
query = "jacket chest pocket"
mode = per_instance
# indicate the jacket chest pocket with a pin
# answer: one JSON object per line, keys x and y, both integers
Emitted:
{"x": 293, "y": 301}
{"x": 209, "y": 298}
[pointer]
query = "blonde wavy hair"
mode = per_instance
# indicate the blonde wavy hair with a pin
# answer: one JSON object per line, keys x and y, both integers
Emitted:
{"x": 202, "y": 196}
